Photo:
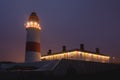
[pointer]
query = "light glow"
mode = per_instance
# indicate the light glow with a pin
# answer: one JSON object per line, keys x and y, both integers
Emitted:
{"x": 32, "y": 24}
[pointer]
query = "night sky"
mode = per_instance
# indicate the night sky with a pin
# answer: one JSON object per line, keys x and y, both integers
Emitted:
{"x": 96, "y": 23}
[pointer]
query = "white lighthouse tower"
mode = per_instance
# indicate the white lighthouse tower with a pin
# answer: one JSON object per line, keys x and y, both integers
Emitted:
{"x": 33, "y": 39}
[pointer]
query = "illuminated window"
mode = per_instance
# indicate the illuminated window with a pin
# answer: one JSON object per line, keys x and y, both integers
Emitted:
{"x": 83, "y": 55}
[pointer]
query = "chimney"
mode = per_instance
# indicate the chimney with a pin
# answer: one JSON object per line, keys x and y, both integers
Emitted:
{"x": 82, "y": 47}
{"x": 49, "y": 52}
{"x": 97, "y": 50}
{"x": 64, "y": 48}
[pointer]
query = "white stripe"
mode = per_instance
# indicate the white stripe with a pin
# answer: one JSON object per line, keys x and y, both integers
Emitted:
{"x": 31, "y": 56}
{"x": 33, "y": 35}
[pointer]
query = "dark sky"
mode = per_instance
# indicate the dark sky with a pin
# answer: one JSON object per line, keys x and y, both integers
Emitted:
{"x": 96, "y": 23}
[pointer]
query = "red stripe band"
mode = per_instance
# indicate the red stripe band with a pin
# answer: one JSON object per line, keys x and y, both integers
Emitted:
{"x": 33, "y": 46}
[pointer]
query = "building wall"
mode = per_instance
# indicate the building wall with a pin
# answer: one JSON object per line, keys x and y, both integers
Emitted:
{"x": 78, "y": 55}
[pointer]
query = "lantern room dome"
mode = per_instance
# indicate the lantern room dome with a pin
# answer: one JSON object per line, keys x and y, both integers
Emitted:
{"x": 33, "y": 17}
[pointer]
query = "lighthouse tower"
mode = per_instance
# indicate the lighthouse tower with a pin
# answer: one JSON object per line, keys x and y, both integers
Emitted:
{"x": 33, "y": 38}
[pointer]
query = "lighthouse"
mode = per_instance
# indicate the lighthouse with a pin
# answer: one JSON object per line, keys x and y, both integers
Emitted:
{"x": 32, "y": 50}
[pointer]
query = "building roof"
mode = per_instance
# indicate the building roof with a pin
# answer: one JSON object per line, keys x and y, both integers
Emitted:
{"x": 75, "y": 50}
